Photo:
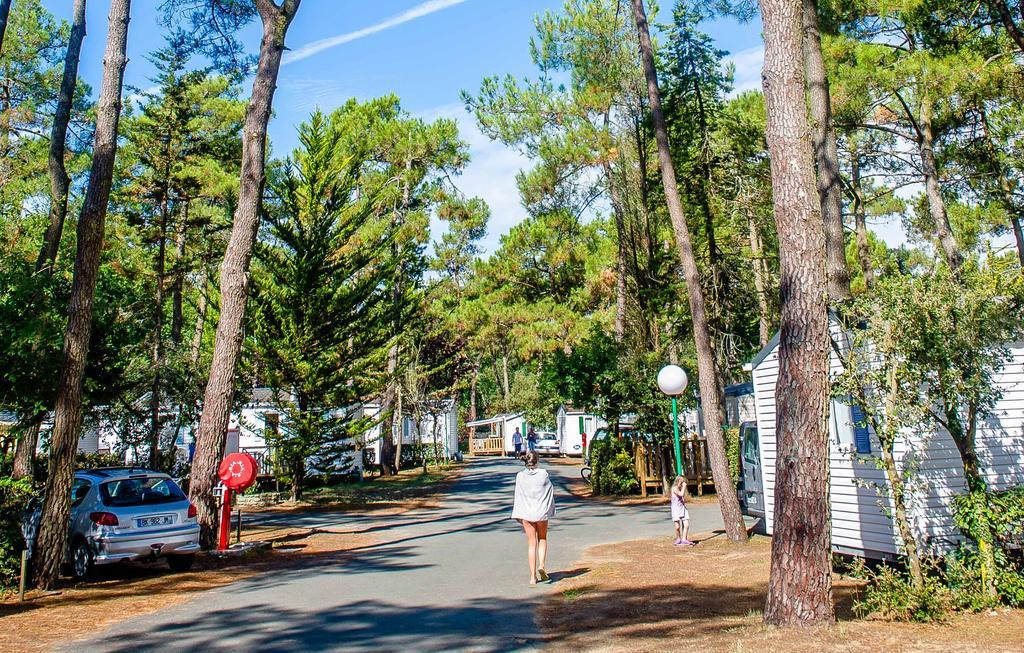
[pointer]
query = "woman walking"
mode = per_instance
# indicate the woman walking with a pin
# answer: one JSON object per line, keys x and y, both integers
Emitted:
{"x": 534, "y": 505}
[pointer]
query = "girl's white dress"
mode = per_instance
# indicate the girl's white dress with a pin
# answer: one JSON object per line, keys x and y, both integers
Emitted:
{"x": 535, "y": 496}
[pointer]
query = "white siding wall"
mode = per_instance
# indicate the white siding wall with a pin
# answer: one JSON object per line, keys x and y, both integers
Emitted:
{"x": 859, "y": 523}
{"x": 568, "y": 430}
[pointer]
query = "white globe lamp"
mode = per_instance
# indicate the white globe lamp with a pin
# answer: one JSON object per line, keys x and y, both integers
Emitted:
{"x": 672, "y": 380}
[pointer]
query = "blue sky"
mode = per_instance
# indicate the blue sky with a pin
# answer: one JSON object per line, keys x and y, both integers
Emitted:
{"x": 426, "y": 51}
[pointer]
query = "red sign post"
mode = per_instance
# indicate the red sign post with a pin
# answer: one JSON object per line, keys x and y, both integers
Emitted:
{"x": 238, "y": 472}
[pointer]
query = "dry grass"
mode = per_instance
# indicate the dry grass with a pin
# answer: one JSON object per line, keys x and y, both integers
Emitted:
{"x": 652, "y": 596}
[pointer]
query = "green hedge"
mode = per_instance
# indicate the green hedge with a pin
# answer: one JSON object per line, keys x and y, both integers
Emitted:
{"x": 613, "y": 471}
{"x": 14, "y": 496}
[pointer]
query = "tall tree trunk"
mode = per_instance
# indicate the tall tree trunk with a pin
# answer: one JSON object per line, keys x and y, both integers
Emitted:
{"x": 5, "y": 12}
{"x": 387, "y": 431}
{"x": 620, "y": 254}
{"x": 1006, "y": 18}
{"x": 936, "y": 204}
{"x": 201, "y": 308}
{"x": 25, "y": 449}
{"x": 707, "y": 368}
{"x": 800, "y": 583}
{"x": 506, "y": 390}
{"x": 764, "y": 318}
{"x": 157, "y": 349}
{"x": 234, "y": 276}
{"x": 472, "y": 393}
{"x": 178, "y": 291}
{"x": 718, "y": 288}
{"x": 53, "y": 528}
{"x": 59, "y": 180}
{"x": 826, "y": 155}
{"x": 1013, "y": 208}
{"x": 397, "y": 427}
{"x": 860, "y": 221}
{"x": 898, "y": 485}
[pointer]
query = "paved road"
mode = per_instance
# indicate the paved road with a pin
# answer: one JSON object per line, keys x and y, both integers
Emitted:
{"x": 452, "y": 578}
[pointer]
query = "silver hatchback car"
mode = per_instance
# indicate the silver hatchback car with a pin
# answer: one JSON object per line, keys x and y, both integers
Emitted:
{"x": 129, "y": 514}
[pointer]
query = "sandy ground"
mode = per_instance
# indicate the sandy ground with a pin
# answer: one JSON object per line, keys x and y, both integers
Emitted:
{"x": 652, "y": 596}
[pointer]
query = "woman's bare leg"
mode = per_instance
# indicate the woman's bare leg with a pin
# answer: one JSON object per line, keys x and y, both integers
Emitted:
{"x": 679, "y": 531}
{"x": 531, "y": 542}
{"x": 686, "y": 530}
{"x": 542, "y": 544}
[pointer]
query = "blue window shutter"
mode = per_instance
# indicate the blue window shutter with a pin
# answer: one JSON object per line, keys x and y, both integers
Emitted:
{"x": 860, "y": 429}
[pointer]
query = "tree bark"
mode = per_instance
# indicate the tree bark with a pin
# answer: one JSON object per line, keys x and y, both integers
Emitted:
{"x": 826, "y": 155}
{"x": 1006, "y": 18}
{"x": 178, "y": 291}
{"x": 59, "y": 180}
{"x": 201, "y": 307}
{"x": 5, "y": 12}
{"x": 504, "y": 380}
{"x": 53, "y": 528}
{"x": 1013, "y": 209}
{"x": 936, "y": 204}
{"x": 620, "y": 254}
{"x": 472, "y": 394}
{"x": 764, "y": 318}
{"x": 707, "y": 367}
{"x": 25, "y": 450}
{"x": 860, "y": 221}
{"x": 157, "y": 349}
{"x": 388, "y": 464}
{"x": 234, "y": 276}
{"x": 800, "y": 583}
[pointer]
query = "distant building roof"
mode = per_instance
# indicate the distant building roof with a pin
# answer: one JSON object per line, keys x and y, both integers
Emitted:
{"x": 503, "y": 417}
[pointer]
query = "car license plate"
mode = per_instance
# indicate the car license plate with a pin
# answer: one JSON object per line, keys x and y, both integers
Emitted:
{"x": 162, "y": 520}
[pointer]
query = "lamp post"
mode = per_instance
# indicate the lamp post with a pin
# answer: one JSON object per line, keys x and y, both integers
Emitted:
{"x": 672, "y": 381}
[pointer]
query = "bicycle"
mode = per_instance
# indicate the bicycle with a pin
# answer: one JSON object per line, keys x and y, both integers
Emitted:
{"x": 585, "y": 473}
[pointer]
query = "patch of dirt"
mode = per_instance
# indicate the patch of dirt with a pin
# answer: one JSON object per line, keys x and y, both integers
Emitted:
{"x": 650, "y": 595}
{"x": 119, "y": 592}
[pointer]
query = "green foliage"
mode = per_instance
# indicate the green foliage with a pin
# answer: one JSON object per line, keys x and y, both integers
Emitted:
{"x": 732, "y": 451}
{"x": 321, "y": 307}
{"x": 14, "y": 496}
{"x": 614, "y": 473}
{"x": 890, "y": 594}
{"x": 987, "y": 574}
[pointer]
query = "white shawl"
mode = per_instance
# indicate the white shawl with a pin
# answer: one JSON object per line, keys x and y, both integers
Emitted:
{"x": 535, "y": 497}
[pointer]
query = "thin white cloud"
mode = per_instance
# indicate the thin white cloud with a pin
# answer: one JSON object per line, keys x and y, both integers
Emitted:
{"x": 748, "y": 65}
{"x": 491, "y": 175}
{"x": 419, "y": 11}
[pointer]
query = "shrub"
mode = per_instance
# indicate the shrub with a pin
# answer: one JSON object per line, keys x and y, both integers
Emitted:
{"x": 611, "y": 461}
{"x": 14, "y": 496}
{"x": 890, "y": 594}
{"x": 732, "y": 452}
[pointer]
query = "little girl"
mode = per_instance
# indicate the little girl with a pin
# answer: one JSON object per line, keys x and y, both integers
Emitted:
{"x": 680, "y": 516}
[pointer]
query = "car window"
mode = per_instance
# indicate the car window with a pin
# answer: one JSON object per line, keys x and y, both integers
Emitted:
{"x": 750, "y": 445}
{"x": 79, "y": 491}
{"x": 140, "y": 491}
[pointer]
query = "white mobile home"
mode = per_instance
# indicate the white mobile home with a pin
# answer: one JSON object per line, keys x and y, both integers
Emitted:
{"x": 859, "y": 503}
{"x": 494, "y": 434}
{"x": 573, "y": 426}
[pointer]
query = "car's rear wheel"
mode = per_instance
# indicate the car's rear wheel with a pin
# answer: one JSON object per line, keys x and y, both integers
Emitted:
{"x": 81, "y": 560}
{"x": 181, "y": 562}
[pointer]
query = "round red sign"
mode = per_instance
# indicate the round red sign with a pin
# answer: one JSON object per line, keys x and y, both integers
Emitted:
{"x": 238, "y": 471}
